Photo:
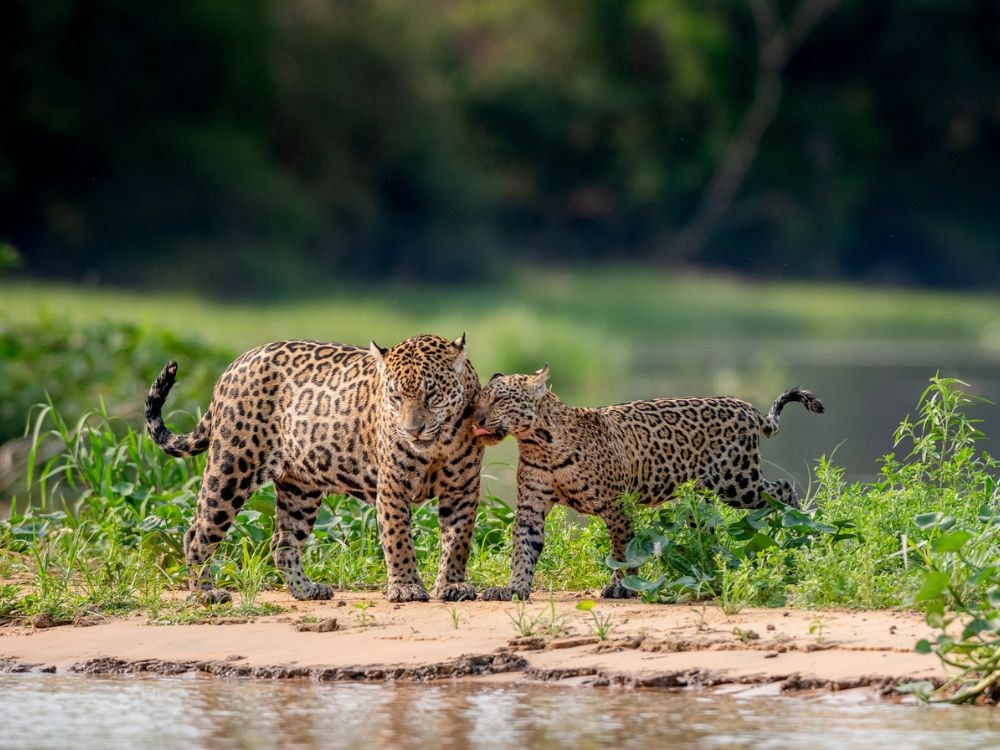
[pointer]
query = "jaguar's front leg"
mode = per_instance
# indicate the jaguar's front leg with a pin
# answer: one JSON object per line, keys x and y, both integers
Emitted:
{"x": 529, "y": 538}
{"x": 457, "y": 520}
{"x": 393, "y": 506}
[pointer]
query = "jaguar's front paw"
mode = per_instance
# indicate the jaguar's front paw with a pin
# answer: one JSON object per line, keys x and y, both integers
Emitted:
{"x": 617, "y": 591}
{"x": 406, "y": 592}
{"x": 312, "y": 590}
{"x": 455, "y": 592}
{"x": 505, "y": 594}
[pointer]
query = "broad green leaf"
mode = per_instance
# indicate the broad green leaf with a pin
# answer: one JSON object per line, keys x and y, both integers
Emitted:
{"x": 951, "y": 542}
{"x": 935, "y": 614}
{"x": 760, "y": 542}
{"x": 976, "y": 627}
{"x": 125, "y": 489}
{"x": 934, "y": 583}
{"x": 622, "y": 564}
{"x": 758, "y": 519}
{"x": 922, "y": 647}
{"x": 637, "y": 583}
{"x": 586, "y": 605}
{"x": 929, "y": 521}
{"x": 683, "y": 583}
{"x": 151, "y": 522}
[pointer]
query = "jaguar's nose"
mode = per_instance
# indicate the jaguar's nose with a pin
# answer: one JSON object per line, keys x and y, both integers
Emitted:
{"x": 414, "y": 432}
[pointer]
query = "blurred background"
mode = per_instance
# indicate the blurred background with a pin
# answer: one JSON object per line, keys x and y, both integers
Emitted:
{"x": 657, "y": 197}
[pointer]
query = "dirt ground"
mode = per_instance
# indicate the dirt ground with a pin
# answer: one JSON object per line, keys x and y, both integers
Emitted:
{"x": 757, "y": 650}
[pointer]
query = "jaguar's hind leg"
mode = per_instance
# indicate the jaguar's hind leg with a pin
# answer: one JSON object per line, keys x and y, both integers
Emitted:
{"x": 227, "y": 483}
{"x": 295, "y": 510}
{"x": 620, "y": 531}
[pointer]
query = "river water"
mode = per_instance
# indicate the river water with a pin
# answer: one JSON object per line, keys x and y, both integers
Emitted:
{"x": 53, "y": 711}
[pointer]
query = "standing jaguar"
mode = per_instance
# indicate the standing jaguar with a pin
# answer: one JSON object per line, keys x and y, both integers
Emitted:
{"x": 391, "y": 427}
{"x": 588, "y": 458}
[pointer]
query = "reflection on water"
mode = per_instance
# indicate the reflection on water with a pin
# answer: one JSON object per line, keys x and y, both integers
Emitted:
{"x": 48, "y": 711}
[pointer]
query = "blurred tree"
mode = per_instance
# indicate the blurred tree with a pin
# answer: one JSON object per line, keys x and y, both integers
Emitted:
{"x": 253, "y": 147}
{"x": 777, "y": 41}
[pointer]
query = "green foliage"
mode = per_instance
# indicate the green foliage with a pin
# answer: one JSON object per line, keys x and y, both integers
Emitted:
{"x": 248, "y": 572}
{"x": 365, "y": 620}
{"x": 960, "y": 594}
{"x": 78, "y": 367}
{"x": 696, "y": 547}
{"x": 944, "y": 437}
{"x": 942, "y": 476}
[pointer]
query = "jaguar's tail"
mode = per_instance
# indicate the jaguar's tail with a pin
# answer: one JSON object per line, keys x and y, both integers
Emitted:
{"x": 191, "y": 444}
{"x": 769, "y": 424}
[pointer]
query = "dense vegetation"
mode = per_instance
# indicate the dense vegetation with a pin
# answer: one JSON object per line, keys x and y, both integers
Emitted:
{"x": 106, "y": 537}
{"x": 192, "y": 142}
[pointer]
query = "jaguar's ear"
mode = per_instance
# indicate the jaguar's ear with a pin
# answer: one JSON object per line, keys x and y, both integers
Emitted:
{"x": 459, "y": 345}
{"x": 495, "y": 375}
{"x": 538, "y": 381}
{"x": 378, "y": 354}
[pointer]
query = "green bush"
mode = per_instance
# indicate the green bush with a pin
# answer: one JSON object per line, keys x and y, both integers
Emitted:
{"x": 113, "y": 363}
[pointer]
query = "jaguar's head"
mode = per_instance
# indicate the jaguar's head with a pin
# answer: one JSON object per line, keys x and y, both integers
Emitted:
{"x": 422, "y": 386}
{"x": 508, "y": 405}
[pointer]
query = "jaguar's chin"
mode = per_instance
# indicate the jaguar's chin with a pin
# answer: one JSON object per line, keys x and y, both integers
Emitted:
{"x": 420, "y": 444}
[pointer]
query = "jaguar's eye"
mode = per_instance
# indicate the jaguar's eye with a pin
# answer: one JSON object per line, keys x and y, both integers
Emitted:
{"x": 396, "y": 400}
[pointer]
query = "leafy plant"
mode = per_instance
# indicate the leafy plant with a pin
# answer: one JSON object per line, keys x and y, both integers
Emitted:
{"x": 961, "y": 588}
{"x": 599, "y": 624}
{"x": 816, "y": 629}
{"x": 689, "y": 550}
{"x": 365, "y": 620}
{"x": 523, "y": 624}
{"x": 944, "y": 436}
{"x": 550, "y": 620}
{"x": 249, "y": 571}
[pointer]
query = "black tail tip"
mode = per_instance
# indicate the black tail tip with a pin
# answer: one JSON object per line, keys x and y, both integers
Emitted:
{"x": 809, "y": 400}
{"x": 170, "y": 371}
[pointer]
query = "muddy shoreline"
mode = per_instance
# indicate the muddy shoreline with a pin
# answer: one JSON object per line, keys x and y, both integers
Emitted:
{"x": 759, "y": 651}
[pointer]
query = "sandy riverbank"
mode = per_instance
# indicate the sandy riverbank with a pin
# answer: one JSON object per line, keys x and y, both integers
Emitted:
{"x": 756, "y": 650}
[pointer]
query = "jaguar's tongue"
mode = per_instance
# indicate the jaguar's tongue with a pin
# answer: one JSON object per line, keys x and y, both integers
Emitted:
{"x": 482, "y": 432}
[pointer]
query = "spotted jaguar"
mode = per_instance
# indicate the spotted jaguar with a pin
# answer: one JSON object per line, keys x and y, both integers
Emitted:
{"x": 391, "y": 427}
{"x": 588, "y": 459}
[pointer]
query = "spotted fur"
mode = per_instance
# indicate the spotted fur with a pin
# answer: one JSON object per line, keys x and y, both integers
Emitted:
{"x": 589, "y": 458}
{"x": 391, "y": 427}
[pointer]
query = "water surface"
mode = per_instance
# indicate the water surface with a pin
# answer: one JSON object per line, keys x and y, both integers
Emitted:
{"x": 53, "y": 711}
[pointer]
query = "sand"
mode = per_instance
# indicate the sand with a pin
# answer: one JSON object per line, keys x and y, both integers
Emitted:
{"x": 774, "y": 650}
